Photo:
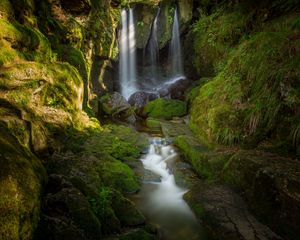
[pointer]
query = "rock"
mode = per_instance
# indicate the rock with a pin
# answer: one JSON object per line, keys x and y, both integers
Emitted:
{"x": 21, "y": 178}
{"x": 116, "y": 106}
{"x": 140, "y": 99}
{"x": 153, "y": 124}
{"x": 271, "y": 185}
{"x": 66, "y": 209}
{"x": 186, "y": 12}
{"x": 126, "y": 211}
{"x": 165, "y": 108}
{"x": 225, "y": 214}
{"x": 174, "y": 89}
{"x": 145, "y": 15}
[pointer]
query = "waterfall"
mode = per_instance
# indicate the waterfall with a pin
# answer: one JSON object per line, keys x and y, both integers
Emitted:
{"x": 154, "y": 49}
{"x": 127, "y": 46}
{"x": 175, "y": 56}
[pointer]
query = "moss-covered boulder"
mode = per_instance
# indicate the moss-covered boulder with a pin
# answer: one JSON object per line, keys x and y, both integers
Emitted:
{"x": 116, "y": 106}
{"x": 153, "y": 124}
{"x": 165, "y": 108}
{"x": 21, "y": 178}
{"x": 126, "y": 211}
{"x": 64, "y": 200}
{"x": 207, "y": 163}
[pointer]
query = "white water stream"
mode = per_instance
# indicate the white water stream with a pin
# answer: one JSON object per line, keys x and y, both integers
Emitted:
{"x": 161, "y": 200}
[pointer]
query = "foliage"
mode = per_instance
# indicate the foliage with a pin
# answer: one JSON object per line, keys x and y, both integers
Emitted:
{"x": 254, "y": 95}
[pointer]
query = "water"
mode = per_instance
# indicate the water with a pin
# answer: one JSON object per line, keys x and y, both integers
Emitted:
{"x": 127, "y": 46}
{"x": 175, "y": 56}
{"x": 153, "y": 50}
{"x": 160, "y": 199}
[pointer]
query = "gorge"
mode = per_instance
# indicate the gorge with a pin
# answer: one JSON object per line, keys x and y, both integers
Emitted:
{"x": 157, "y": 119}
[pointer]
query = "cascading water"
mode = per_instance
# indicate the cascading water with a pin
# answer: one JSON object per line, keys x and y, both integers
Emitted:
{"x": 175, "y": 56}
{"x": 161, "y": 201}
{"x": 127, "y": 46}
{"x": 153, "y": 50}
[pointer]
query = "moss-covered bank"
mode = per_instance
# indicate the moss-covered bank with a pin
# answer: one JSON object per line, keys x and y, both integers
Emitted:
{"x": 252, "y": 52}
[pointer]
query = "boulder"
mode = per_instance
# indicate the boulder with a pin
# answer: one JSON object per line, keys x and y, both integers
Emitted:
{"x": 116, "y": 106}
{"x": 165, "y": 108}
{"x": 67, "y": 212}
{"x": 271, "y": 185}
{"x": 140, "y": 99}
{"x": 174, "y": 89}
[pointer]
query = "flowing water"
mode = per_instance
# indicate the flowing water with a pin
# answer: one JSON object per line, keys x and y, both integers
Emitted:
{"x": 160, "y": 199}
{"x": 127, "y": 46}
{"x": 153, "y": 50}
{"x": 175, "y": 56}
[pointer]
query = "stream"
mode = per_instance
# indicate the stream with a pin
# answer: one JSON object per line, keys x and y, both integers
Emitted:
{"x": 161, "y": 199}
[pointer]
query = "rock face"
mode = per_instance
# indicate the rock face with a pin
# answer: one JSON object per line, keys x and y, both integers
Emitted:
{"x": 21, "y": 179}
{"x": 271, "y": 185}
{"x": 145, "y": 14}
{"x": 228, "y": 214}
{"x": 268, "y": 182}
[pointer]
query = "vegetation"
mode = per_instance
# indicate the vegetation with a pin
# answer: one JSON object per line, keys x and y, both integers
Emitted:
{"x": 253, "y": 96}
{"x": 165, "y": 108}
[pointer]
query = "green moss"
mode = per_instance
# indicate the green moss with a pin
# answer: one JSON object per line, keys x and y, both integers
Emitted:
{"x": 118, "y": 175}
{"x": 21, "y": 177}
{"x": 153, "y": 124}
{"x": 216, "y": 36}
{"x": 6, "y": 9}
{"x": 254, "y": 92}
{"x": 207, "y": 163}
{"x": 165, "y": 108}
{"x": 19, "y": 41}
{"x": 126, "y": 211}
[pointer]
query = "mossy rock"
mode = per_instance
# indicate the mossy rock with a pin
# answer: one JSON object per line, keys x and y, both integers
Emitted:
{"x": 207, "y": 163}
{"x": 153, "y": 124}
{"x": 126, "y": 211}
{"x": 118, "y": 175}
{"x": 21, "y": 179}
{"x": 6, "y": 10}
{"x": 165, "y": 108}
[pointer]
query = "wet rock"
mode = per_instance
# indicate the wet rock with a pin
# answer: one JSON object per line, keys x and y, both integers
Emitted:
{"x": 140, "y": 99}
{"x": 175, "y": 89}
{"x": 116, "y": 106}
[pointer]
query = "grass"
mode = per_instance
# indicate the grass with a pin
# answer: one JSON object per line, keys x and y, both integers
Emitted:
{"x": 254, "y": 94}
